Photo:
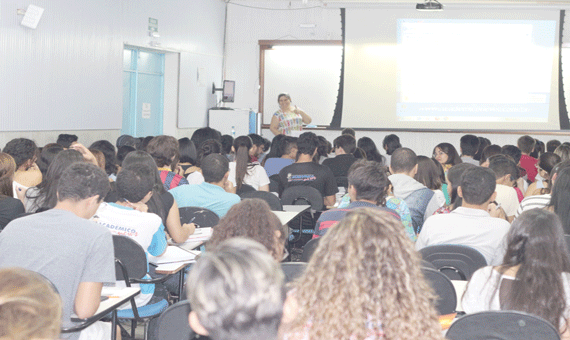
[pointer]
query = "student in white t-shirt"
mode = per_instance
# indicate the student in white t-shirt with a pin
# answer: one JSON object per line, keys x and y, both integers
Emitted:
{"x": 506, "y": 174}
{"x": 134, "y": 187}
{"x": 243, "y": 171}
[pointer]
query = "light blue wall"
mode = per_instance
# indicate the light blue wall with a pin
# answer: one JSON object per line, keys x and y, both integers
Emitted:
{"x": 67, "y": 73}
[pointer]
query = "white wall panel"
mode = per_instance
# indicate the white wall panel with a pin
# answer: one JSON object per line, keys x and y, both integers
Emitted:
{"x": 67, "y": 74}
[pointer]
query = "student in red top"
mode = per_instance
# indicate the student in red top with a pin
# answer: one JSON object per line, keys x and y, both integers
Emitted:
{"x": 526, "y": 145}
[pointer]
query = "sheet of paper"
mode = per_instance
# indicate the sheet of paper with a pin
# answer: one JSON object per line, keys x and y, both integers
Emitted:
{"x": 173, "y": 254}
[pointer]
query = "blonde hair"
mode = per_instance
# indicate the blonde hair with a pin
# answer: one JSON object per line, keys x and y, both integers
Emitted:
{"x": 365, "y": 270}
{"x": 29, "y": 306}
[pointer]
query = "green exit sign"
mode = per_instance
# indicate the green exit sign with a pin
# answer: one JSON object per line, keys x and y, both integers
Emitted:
{"x": 152, "y": 25}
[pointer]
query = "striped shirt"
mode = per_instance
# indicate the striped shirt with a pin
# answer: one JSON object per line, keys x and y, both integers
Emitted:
{"x": 533, "y": 202}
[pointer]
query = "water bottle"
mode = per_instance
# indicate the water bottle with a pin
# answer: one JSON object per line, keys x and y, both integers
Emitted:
{"x": 233, "y": 131}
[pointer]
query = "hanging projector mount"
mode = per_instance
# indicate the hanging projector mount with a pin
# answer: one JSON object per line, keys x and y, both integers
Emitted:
{"x": 429, "y": 5}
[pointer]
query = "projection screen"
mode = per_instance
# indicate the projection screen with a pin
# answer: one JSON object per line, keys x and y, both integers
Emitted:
{"x": 454, "y": 69}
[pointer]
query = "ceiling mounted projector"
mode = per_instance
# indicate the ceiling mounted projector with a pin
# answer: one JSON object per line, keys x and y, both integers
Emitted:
{"x": 429, "y": 5}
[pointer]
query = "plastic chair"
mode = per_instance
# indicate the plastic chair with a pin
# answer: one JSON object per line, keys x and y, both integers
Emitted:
{"x": 567, "y": 239}
{"x": 292, "y": 270}
{"x": 244, "y": 188}
{"x": 131, "y": 266}
{"x": 503, "y": 325}
{"x": 342, "y": 181}
{"x": 309, "y": 249}
{"x": 456, "y": 261}
{"x": 273, "y": 201}
{"x": 173, "y": 323}
{"x": 273, "y": 185}
{"x": 443, "y": 288}
{"x": 203, "y": 217}
{"x": 303, "y": 195}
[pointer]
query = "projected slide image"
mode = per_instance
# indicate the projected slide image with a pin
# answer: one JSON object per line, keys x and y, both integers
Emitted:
{"x": 474, "y": 70}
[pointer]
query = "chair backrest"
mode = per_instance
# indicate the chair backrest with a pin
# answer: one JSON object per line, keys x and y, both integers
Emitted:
{"x": 567, "y": 238}
{"x": 131, "y": 255}
{"x": 446, "y": 298}
{"x": 309, "y": 249}
{"x": 342, "y": 181}
{"x": 173, "y": 322}
{"x": 504, "y": 325}
{"x": 273, "y": 201}
{"x": 303, "y": 195}
{"x": 274, "y": 183}
{"x": 203, "y": 217}
{"x": 292, "y": 270}
{"x": 426, "y": 264}
{"x": 244, "y": 188}
{"x": 456, "y": 261}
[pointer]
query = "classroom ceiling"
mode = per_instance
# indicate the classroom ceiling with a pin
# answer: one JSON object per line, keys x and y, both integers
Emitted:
{"x": 495, "y": 2}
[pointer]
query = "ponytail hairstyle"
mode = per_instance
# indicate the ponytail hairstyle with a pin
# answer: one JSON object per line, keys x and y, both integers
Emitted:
{"x": 242, "y": 145}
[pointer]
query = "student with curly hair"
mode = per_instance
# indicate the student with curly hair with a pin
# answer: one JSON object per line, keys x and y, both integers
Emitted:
{"x": 30, "y": 308}
{"x": 364, "y": 281}
{"x": 253, "y": 219}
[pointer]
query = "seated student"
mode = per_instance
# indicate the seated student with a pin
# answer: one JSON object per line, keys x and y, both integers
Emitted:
{"x": 489, "y": 151}
{"x": 46, "y": 156}
{"x": 276, "y": 148}
{"x": 44, "y": 195}
{"x": 563, "y": 151}
{"x": 323, "y": 150}
{"x": 349, "y": 131}
{"x": 65, "y": 140}
{"x": 161, "y": 202}
{"x": 237, "y": 292}
{"x": 288, "y": 155}
{"x": 305, "y": 172}
{"x": 544, "y": 200}
{"x": 134, "y": 184}
{"x": 10, "y": 207}
{"x": 164, "y": 150}
{"x": 344, "y": 147}
{"x": 364, "y": 281}
{"x": 431, "y": 174}
{"x": 75, "y": 254}
{"x": 552, "y": 144}
{"x": 203, "y": 134}
{"x": 533, "y": 276}
{"x": 546, "y": 163}
{"x": 109, "y": 151}
{"x": 390, "y": 144}
{"x": 421, "y": 201}
{"x": 30, "y": 308}
{"x": 453, "y": 180}
{"x": 214, "y": 193}
{"x": 251, "y": 218}
{"x": 24, "y": 152}
{"x": 367, "y": 186}
{"x": 526, "y": 145}
{"x": 468, "y": 146}
{"x": 560, "y": 200}
{"x": 227, "y": 144}
{"x": 245, "y": 170}
{"x": 471, "y": 224}
{"x": 369, "y": 147}
{"x": 483, "y": 143}
{"x": 258, "y": 147}
{"x": 208, "y": 147}
{"x": 446, "y": 154}
{"x": 506, "y": 173}
{"x": 188, "y": 155}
